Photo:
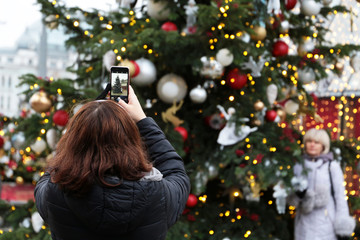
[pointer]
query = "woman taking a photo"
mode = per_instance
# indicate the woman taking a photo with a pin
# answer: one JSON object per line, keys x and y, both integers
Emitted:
{"x": 114, "y": 176}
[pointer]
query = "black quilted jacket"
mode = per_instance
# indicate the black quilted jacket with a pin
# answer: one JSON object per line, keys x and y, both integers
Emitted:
{"x": 134, "y": 210}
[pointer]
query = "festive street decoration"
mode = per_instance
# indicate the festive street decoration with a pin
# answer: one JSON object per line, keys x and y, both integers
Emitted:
{"x": 61, "y": 118}
{"x": 158, "y": 10}
{"x": 280, "y": 49}
{"x": 147, "y": 73}
{"x": 236, "y": 79}
{"x": 40, "y": 102}
{"x": 171, "y": 88}
{"x": 169, "y": 26}
{"x": 198, "y": 94}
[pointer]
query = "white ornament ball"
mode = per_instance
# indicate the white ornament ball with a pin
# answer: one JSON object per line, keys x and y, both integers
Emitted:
{"x": 52, "y": 138}
{"x": 355, "y": 62}
{"x": 291, "y": 107}
{"x": 224, "y": 57}
{"x": 171, "y": 88}
{"x": 310, "y": 7}
{"x": 109, "y": 59}
{"x": 18, "y": 140}
{"x": 198, "y": 94}
{"x": 38, "y": 146}
{"x": 37, "y": 222}
{"x": 306, "y": 75}
{"x": 158, "y": 10}
{"x": 147, "y": 74}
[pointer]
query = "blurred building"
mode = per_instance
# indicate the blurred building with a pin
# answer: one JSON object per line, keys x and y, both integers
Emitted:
{"x": 29, "y": 53}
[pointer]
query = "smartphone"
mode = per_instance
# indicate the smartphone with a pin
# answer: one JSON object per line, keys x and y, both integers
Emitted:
{"x": 119, "y": 81}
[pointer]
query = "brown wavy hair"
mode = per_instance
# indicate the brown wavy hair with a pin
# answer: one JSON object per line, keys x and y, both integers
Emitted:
{"x": 100, "y": 139}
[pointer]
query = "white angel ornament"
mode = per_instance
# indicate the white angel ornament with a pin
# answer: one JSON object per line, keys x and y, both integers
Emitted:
{"x": 229, "y": 134}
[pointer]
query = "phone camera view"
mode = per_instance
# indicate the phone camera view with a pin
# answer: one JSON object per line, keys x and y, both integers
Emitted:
{"x": 119, "y": 82}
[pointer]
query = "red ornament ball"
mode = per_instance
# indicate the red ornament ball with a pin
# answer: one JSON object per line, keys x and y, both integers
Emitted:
{"x": 270, "y": 115}
{"x": 290, "y": 4}
{"x": 280, "y": 49}
{"x": 61, "y": 117}
{"x": 2, "y": 141}
{"x": 29, "y": 169}
{"x": 169, "y": 26}
{"x": 183, "y": 132}
{"x": 137, "y": 68}
{"x": 192, "y": 201}
{"x": 236, "y": 79}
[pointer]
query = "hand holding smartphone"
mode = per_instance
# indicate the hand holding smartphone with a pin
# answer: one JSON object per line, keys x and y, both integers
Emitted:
{"x": 119, "y": 81}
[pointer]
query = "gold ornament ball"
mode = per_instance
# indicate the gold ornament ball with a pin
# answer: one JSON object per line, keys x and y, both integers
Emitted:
{"x": 259, "y": 105}
{"x": 256, "y": 122}
{"x": 40, "y": 102}
{"x": 19, "y": 180}
{"x": 259, "y": 33}
{"x": 130, "y": 65}
{"x": 281, "y": 113}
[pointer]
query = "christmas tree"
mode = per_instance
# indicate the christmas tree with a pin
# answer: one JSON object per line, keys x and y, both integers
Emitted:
{"x": 226, "y": 80}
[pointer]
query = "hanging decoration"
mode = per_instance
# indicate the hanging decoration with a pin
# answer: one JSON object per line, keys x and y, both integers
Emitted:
{"x": 171, "y": 88}
{"x": 169, "y": 26}
{"x": 61, "y": 118}
{"x": 273, "y": 7}
{"x": 182, "y": 131}
{"x": 255, "y": 68}
{"x": 191, "y": 12}
{"x": 230, "y": 134}
{"x": 271, "y": 93}
{"x": 306, "y": 75}
{"x": 215, "y": 121}
{"x": 38, "y": 146}
{"x": 271, "y": 115}
{"x": 147, "y": 73}
{"x": 109, "y": 59}
{"x": 134, "y": 68}
{"x": 290, "y": 4}
{"x": 236, "y": 79}
{"x": 40, "y": 102}
{"x": 224, "y": 57}
{"x": 158, "y": 10}
{"x": 280, "y": 195}
{"x": 259, "y": 33}
{"x": 211, "y": 68}
{"x": 280, "y": 49}
{"x": 169, "y": 114}
{"x": 310, "y": 7}
{"x": 51, "y": 21}
{"x": 192, "y": 201}
{"x": 198, "y": 94}
{"x": 52, "y": 138}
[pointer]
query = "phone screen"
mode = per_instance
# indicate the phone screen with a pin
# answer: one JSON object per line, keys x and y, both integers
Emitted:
{"x": 119, "y": 82}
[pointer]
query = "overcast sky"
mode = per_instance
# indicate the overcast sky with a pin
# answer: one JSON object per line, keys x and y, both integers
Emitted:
{"x": 16, "y": 15}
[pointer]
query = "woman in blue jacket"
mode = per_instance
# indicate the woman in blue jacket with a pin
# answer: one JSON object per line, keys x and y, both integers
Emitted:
{"x": 114, "y": 176}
